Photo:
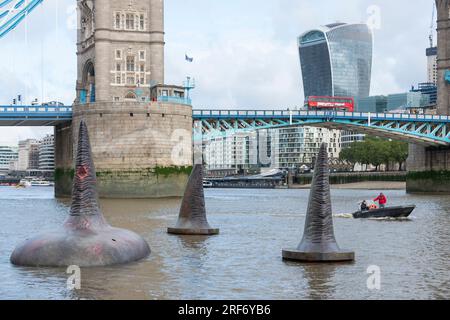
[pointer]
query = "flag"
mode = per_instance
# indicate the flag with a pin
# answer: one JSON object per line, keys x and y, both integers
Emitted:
{"x": 188, "y": 59}
{"x": 12, "y": 12}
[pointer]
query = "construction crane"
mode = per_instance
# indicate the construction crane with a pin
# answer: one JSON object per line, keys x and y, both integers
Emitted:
{"x": 432, "y": 26}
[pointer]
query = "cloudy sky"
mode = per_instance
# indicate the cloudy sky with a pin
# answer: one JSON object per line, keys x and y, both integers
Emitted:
{"x": 244, "y": 51}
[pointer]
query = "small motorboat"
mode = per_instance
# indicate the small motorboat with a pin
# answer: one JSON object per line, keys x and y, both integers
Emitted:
{"x": 388, "y": 212}
{"x": 207, "y": 184}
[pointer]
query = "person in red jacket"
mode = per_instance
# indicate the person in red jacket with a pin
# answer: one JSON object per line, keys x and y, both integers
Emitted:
{"x": 382, "y": 200}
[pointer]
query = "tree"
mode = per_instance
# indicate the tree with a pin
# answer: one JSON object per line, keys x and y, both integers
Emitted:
{"x": 376, "y": 151}
{"x": 399, "y": 152}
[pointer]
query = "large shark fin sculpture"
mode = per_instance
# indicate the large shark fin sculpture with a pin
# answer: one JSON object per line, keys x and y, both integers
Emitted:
{"x": 319, "y": 242}
{"x": 86, "y": 239}
{"x": 192, "y": 219}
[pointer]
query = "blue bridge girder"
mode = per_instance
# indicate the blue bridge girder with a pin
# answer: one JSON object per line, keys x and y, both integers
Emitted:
{"x": 34, "y": 116}
{"x": 427, "y": 130}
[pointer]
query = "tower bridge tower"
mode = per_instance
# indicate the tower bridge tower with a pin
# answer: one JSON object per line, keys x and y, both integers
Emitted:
{"x": 443, "y": 30}
{"x": 429, "y": 168}
{"x": 120, "y": 47}
{"x": 141, "y": 143}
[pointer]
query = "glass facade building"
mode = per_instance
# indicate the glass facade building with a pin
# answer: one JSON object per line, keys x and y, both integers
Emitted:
{"x": 7, "y": 155}
{"x": 336, "y": 60}
{"x": 393, "y": 103}
{"x": 429, "y": 89}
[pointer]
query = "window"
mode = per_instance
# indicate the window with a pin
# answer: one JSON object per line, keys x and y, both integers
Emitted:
{"x": 130, "y": 64}
{"x": 118, "y": 67}
{"x": 116, "y": 99}
{"x": 142, "y": 68}
{"x": 118, "y": 54}
{"x": 141, "y": 22}
{"x": 130, "y": 80}
{"x": 130, "y": 21}
{"x": 118, "y": 80}
{"x": 130, "y": 96}
{"x": 118, "y": 22}
{"x": 142, "y": 55}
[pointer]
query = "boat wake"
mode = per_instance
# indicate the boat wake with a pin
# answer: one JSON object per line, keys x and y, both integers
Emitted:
{"x": 391, "y": 219}
{"x": 343, "y": 215}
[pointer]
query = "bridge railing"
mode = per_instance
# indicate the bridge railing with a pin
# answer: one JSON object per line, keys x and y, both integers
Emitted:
{"x": 35, "y": 109}
{"x": 172, "y": 99}
{"x": 248, "y": 114}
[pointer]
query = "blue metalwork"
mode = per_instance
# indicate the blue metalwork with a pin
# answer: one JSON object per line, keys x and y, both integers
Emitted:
{"x": 92, "y": 98}
{"x": 447, "y": 76}
{"x": 420, "y": 129}
{"x": 34, "y": 115}
{"x": 430, "y": 130}
{"x": 83, "y": 96}
{"x": 12, "y": 12}
{"x": 186, "y": 101}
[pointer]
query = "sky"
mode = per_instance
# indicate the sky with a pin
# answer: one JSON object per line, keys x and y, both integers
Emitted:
{"x": 245, "y": 51}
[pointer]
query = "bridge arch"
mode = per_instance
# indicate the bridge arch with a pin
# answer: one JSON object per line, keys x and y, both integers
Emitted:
{"x": 87, "y": 92}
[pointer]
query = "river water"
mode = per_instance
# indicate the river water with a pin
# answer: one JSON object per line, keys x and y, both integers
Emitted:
{"x": 244, "y": 261}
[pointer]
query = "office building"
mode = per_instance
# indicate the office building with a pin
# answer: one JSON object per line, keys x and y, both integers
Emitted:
{"x": 28, "y": 155}
{"x": 8, "y": 155}
{"x": 432, "y": 54}
{"x": 399, "y": 102}
{"x": 47, "y": 153}
{"x": 429, "y": 89}
{"x": 299, "y": 146}
{"x": 336, "y": 60}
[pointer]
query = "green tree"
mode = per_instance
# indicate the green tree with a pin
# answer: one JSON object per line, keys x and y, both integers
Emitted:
{"x": 399, "y": 152}
{"x": 376, "y": 152}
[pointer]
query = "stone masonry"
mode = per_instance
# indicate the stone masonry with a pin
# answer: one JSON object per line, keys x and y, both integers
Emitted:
{"x": 443, "y": 23}
{"x": 141, "y": 148}
{"x": 120, "y": 48}
{"x": 429, "y": 168}
{"x": 140, "y": 151}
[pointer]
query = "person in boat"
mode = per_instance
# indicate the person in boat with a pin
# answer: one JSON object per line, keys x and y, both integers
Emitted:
{"x": 382, "y": 200}
{"x": 364, "y": 206}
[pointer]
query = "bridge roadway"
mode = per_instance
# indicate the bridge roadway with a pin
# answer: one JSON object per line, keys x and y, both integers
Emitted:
{"x": 427, "y": 130}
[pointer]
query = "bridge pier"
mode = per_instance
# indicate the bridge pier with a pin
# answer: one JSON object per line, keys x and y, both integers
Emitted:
{"x": 64, "y": 160}
{"x": 140, "y": 150}
{"x": 428, "y": 170}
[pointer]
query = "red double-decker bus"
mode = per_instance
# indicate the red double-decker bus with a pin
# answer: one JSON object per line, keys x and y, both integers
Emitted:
{"x": 334, "y": 103}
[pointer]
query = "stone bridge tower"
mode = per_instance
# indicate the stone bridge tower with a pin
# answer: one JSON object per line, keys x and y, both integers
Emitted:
{"x": 443, "y": 23}
{"x": 142, "y": 145}
{"x": 429, "y": 168}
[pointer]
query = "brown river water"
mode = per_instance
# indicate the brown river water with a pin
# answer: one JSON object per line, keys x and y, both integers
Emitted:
{"x": 244, "y": 261}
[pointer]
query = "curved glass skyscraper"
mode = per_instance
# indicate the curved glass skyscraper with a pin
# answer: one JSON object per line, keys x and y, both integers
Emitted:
{"x": 336, "y": 60}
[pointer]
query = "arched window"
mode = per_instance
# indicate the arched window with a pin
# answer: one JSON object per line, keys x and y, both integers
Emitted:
{"x": 130, "y": 96}
{"x": 118, "y": 21}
